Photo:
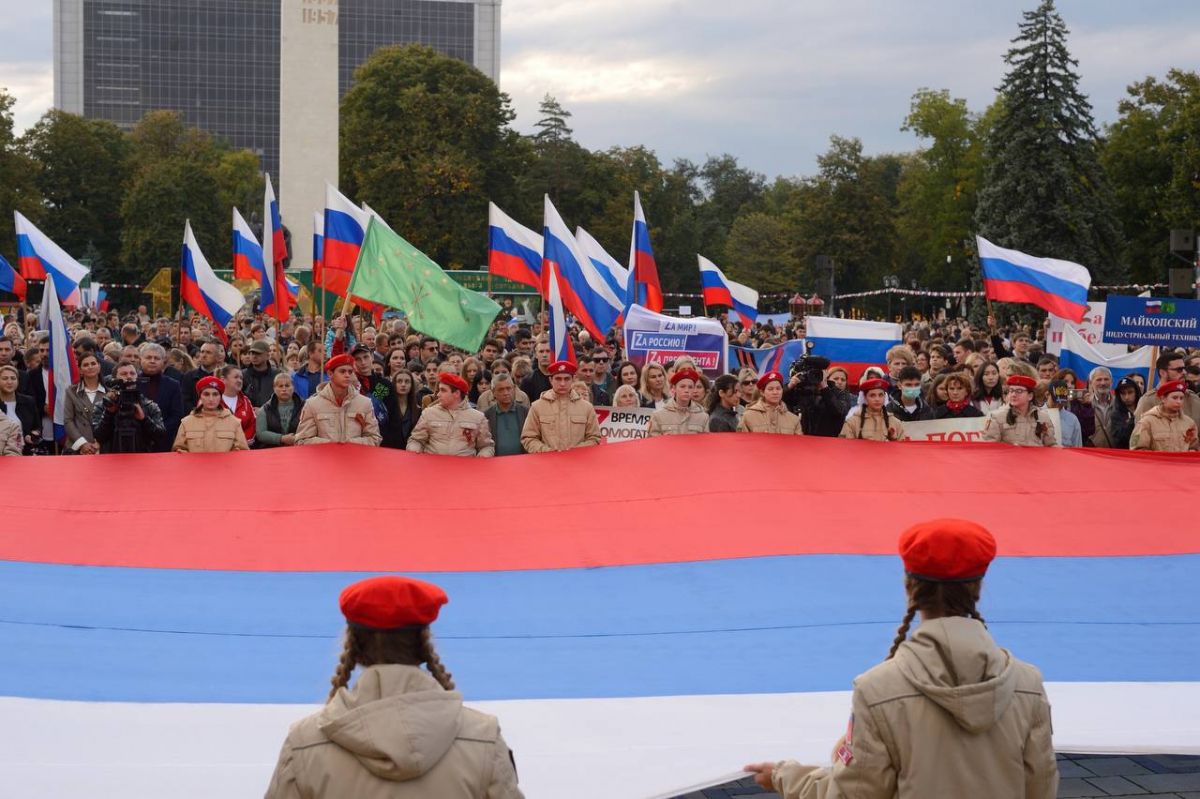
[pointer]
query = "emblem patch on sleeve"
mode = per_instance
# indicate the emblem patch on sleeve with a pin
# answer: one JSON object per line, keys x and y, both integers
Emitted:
{"x": 845, "y": 752}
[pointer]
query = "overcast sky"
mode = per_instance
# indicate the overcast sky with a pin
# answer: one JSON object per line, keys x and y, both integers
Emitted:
{"x": 766, "y": 80}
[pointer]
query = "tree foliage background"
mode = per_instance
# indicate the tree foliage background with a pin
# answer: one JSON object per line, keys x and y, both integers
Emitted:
{"x": 428, "y": 141}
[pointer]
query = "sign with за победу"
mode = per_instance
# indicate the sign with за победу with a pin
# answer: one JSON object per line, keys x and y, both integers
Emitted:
{"x": 1158, "y": 321}
{"x": 478, "y": 280}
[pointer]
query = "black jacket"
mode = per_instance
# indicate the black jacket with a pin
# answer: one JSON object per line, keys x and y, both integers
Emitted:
{"x": 258, "y": 386}
{"x": 920, "y": 413}
{"x": 118, "y": 433}
{"x": 722, "y": 420}
{"x": 821, "y": 413}
{"x": 168, "y": 396}
{"x": 535, "y": 384}
{"x": 969, "y": 412}
{"x": 187, "y": 386}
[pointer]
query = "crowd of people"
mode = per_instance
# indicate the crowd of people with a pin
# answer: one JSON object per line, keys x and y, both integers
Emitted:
{"x": 176, "y": 384}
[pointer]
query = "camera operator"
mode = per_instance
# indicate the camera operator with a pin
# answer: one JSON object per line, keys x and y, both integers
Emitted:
{"x": 822, "y": 407}
{"x": 127, "y": 421}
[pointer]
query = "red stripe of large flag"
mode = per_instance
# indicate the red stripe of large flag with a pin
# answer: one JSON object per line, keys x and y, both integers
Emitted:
{"x": 514, "y": 251}
{"x": 644, "y": 288}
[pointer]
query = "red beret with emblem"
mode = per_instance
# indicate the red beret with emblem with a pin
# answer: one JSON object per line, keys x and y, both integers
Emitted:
{"x": 562, "y": 368}
{"x": 1023, "y": 381}
{"x": 685, "y": 374}
{"x": 339, "y": 360}
{"x": 874, "y": 383}
{"x": 768, "y": 377}
{"x": 454, "y": 381}
{"x": 391, "y": 603}
{"x": 1170, "y": 386}
{"x": 947, "y": 550}
{"x": 209, "y": 382}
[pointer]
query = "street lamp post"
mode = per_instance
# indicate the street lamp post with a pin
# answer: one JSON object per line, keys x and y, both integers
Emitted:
{"x": 890, "y": 282}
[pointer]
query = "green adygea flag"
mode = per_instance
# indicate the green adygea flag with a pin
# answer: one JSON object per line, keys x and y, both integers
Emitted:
{"x": 392, "y": 272}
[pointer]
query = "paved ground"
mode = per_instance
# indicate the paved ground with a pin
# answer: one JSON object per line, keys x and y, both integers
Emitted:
{"x": 1141, "y": 776}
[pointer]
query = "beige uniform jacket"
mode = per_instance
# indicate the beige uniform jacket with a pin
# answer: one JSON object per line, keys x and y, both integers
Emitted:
{"x": 763, "y": 418}
{"x": 555, "y": 424}
{"x": 1022, "y": 432}
{"x": 219, "y": 433}
{"x": 671, "y": 420}
{"x": 12, "y": 438}
{"x": 323, "y": 421}
{"x": 952, "y": 716}
{"x": 1191, "y": 405}
{"x": 874, "y": 429}
{"x": 396, "y": 735}
{"x": 1158, "y": 432}
{"x": 462, "y": 431}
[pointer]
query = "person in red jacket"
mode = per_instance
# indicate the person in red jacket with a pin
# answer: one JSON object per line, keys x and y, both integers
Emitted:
{"x": 237, "y": 402}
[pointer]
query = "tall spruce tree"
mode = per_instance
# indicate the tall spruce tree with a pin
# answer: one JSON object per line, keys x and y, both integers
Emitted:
{"x": 1044, "y": 191}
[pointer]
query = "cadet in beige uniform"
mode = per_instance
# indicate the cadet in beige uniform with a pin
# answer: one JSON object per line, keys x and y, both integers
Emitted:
{"x": 338, "y": 413}
{"x": 1165, "y": 427}
{"x": 210, "y": 427}
{"x": 560, "y": 419}
{"x": 449, "y": 426}
{"x": 949, "y": 713}
{"x": 769, "y": 414}
{"x": 401, "y": 732}
{"x": 679, "y": 415}
{"x": 1017, "y": 421}
{"x": 872, "y": 421}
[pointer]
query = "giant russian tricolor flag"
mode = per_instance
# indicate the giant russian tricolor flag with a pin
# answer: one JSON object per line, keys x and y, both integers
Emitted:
{"x": 852, "y": 344}
{"x": 647, "y": 655}
{"x": 11, "y": 280}
{"x": 200, "y": 287}
{"x": 247, "y": 252}
{"x": 585, "y": 292}
{"x": 1060, "y": 287}
{"x": 63, "y": 372}
{"x": 644, "y": 288}
{"x": 38, "y": 256}
{"x": 1081, "y": 356}
{"x": 345, "y": 226}
{"x": 514, "y": 251}
{"x": 276, "y": 301}
{"x": 720, "y": 290}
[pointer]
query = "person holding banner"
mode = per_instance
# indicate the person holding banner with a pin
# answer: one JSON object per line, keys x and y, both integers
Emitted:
{"x": 723, "y": 404}
{"x": 1019, "y": 422}
{"x": 1170, "y": 366}
{"x": 958, "y": 403}
{"x": 679, "y": 415}
{"x": 560, "y": 419}
{"x": 210, "y": 427}
{"x": 1165, "y": 428}
{"x": 948, "y": 713}
{"x": 872, "y": 421}
{"x": 769, "y": 414}
{"x": 450, "y": 426}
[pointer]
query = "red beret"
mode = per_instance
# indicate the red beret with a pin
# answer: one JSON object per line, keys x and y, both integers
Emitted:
{"x": 685, "y": 374}
{"x": 391, "y": 603}
{"x": 947, "y": 550}
{"x": 874, "y": 383}
{"x": 1169, "y": 386}
{"x": 454, "y": 381}
{"x": 562, "y": 368}
{"x": 767, "y": 378}
{"x": 1021, "y": 380}
{"x": 338, "y": 360}
{"x": 209, "y": 382}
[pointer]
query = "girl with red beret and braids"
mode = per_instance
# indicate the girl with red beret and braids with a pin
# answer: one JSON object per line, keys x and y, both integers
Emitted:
{"x": 401, "y": 732}
{"x": 1018, "y": 422}
{"x": 948, "y": 713}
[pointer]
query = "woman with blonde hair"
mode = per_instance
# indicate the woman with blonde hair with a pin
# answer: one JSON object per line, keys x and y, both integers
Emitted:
{"x": 400, "y": 731}
{"x": 654, "y": 386}
{"x": 838, "y": 377}
{"x": 626, "y": 396}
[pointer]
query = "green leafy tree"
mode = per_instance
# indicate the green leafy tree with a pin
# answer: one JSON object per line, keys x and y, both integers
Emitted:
{"x": 1152, "y": 157}
{"x": 18, "y": 180}
{"x": 1044, "y": 191}
{"x": 82, "y": 181}
{"x": 425, "y": 141}
{"x": 761, "y": 252}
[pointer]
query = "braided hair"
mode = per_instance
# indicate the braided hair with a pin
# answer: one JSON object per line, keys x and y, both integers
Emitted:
{"x": 409, "y": 647}
{"x": 887, "y": 425}
{"x": 936, "y": 598}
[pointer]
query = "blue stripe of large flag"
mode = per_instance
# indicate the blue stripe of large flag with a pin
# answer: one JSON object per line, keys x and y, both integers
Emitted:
{"x": 102, "y": 633}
